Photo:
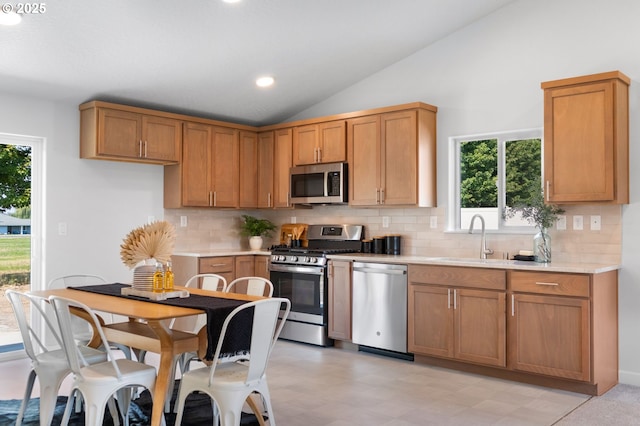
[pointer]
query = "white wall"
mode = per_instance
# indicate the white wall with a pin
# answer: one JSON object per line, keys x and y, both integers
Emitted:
{"x": 487, "y": 78}
{"x": 100, "y": 201}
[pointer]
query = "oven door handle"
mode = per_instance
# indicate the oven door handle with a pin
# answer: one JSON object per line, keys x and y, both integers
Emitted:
{"x": 313, "y": 270}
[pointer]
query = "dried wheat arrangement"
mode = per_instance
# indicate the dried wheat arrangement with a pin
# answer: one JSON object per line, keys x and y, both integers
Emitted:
{"x": 154, "y": 240}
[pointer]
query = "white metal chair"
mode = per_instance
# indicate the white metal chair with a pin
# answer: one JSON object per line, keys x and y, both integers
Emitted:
{"x": 230, "y": 384}
{"x": 97, "y": 383}
{"x": 82, "y": 329}
{"x": 49, "y": 364}
{"x": 254, "y": 286}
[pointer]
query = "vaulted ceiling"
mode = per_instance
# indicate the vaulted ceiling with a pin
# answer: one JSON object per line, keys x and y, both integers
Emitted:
{"x": 202, "y": 57}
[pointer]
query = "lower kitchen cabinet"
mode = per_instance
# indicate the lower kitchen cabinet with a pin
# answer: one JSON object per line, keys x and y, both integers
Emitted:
{"x": 230, "y": 267}
{"x": 458, "y": 313}
{"x": 339, "y": 299}
{"x": 261, "y": 267}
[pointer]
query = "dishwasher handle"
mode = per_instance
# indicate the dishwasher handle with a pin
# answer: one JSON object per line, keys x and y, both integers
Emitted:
{"x": 380, "y": 271}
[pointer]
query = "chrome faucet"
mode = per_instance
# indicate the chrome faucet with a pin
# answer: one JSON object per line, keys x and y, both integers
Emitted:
{"x": 484, "y": 251}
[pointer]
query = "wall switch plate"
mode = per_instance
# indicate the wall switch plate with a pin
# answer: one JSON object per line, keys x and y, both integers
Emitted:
{"x": 385, "y": 221}
{"x": 183, "y": 221}
{"x": 294, "y": 219}
{"x": 561, "y": 224}
{"x": 596, "y": 224}
{"x": 433, "y": 222}
{"x": 62, "y": 229}
{"x": 578, "y": 223}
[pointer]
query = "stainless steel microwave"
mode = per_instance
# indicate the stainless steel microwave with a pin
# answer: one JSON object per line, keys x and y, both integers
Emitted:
{"x": 319, "y": 184}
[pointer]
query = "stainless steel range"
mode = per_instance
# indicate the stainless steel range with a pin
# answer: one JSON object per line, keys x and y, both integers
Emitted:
{"x": 300, "y": 275}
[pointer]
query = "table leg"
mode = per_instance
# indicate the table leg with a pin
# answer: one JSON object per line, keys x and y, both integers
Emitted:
{"x": 164, "y": 372}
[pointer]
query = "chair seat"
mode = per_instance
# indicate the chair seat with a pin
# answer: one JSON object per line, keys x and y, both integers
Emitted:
{"x": 105, "y": 371}
{"x": 227, "y": 375}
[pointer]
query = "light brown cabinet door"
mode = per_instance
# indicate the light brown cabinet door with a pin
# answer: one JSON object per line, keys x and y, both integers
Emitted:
{"x": 244, "y": 266}
{"x": 196, "y": 165}
{"x": 161, "y": 138}
{"x": 332, "y": 139}
{"x": 363, "y": 136}
{"x": 340, "y": 300}
{"x": 586, "y": 139}
{"x": 119, "y": 133}
{"x": 430, "y": 325}
{"x": 282, "y": 166}
{"x": 550, "y": 335}
{"x": 265, "y": 170}
{"x": 305, "y": 145}
{"x": 480, "y": 326}
{"x": 225, "y": 170}
{"x": 261, "y": 266}
{"x": 249, "y": 166}
{"x": 399, "y": 145}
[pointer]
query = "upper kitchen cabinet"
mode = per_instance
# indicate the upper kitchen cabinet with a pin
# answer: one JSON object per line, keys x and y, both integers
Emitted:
{"x": 266, "y": 151}
{"x": 249, "y": 166}
{"x": 209, "y": 174}
{"x": 392, "y": 158}
{"x": 281, "y": 164}
{"x": 320, "y": 143}
{"x": 116, "y": 132}
{"x": 586, "y": 139}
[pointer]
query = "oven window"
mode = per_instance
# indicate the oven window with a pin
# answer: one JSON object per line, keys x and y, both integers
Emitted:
{"x": 307, "y": 185}
{"x": 303, "y": 290}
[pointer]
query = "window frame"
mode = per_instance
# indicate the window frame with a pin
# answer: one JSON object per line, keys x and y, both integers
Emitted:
{"x": 454, "y": 215}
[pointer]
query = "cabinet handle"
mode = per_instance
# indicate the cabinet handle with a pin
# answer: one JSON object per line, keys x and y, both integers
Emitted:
{"x": 455, "y": 299}
{"x": 513, "y": 312}
{"x": 145, "y": 149}
{"x": 448, "y": 298}
{"x": 543, "y": 283}
{"x": 547, "y": 191}
{"x": 140, "y": 148}
{"x": 268, "y": 199}
{"x": 210, "y": 198}
{"x": 319, "y": 155}
{"x": 215, "y": 198}
{"x": 217, "y": 264}
{"x": 381, "y": 196}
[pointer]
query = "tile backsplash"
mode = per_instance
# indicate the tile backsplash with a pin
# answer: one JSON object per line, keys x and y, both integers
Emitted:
{"x": 210, "y": 230}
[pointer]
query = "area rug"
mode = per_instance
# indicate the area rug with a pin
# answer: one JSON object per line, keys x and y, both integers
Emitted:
{"x": 197, "y": 412}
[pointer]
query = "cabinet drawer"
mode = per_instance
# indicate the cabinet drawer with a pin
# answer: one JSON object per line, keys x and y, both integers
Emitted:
{"x": 215, "y": 265}
{"x": 550, "y": 283}
{"x": 493, "y": 279}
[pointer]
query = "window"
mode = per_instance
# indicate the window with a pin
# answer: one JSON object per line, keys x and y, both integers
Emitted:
{"x": 491, "y": 172}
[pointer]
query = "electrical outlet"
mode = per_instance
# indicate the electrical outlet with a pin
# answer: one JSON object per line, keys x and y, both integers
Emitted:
{"x": 385, "y": 221}
{"x": 433, "y": 222}
{"x": 294, "y": 219}
{"x": 578, "y": 223}
{"x": 561, "y": 224}
{"x": 183, "y": 221}
{"x": 595, "y": 223}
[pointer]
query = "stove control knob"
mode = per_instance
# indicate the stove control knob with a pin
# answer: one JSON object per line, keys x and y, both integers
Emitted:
{"x": 313, "y": 259}
{"x": 293, "y": 258}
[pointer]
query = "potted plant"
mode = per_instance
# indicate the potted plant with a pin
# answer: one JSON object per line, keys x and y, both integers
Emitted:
{"x": 542, "y": 215}
{"x": 255, "y": 229}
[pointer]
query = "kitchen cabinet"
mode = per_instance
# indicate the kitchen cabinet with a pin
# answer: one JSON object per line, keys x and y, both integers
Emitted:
{"x": 320, "y": 143}
{"x": 244, "y": 266}
{"x": 281, "y": 165}
{"x": 266, "y": 151}
{"x": 209, "y": 172}
{"x": 112, "y": 132}
{"x": 230, "y": 267}
{"x": 458, "y": 313}
{"x": 249, "y": 166}
{"x": 586, "y": 139}
{"x": 261, "y": 267}
{"x": 392, "y": 158}
{"x": 339, "y": 277}
{"x": 565, "y": 325}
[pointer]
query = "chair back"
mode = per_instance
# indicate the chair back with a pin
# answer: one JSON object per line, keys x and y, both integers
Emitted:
{"x": 76, "y": 280}
{"x": 62, "y": 308}
{"x": 212, "y": 282}
{"x": 268, "y": 320}
{"x": 33, "y": 341}
{"x": 253, "y": 286}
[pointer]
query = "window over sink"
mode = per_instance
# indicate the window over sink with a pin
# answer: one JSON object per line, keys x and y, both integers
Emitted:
{"x": 490, "y": 172}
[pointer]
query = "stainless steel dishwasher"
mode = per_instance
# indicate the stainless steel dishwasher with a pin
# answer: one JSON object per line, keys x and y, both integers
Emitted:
{"x": 380, "y": 306}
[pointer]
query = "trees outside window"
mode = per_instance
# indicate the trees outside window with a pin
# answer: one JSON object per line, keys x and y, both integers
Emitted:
{"x": 493, "y": 172}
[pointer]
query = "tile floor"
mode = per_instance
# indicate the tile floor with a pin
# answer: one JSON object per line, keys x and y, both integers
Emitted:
{"x": 314, "y": 386}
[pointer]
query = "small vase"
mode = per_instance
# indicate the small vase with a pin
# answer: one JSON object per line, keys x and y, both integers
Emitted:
{"x": 542, "y": 246}
{"x": 255, "y": 242}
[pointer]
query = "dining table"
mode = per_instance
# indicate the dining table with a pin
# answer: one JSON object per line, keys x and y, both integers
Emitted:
{"x": 148, "y": 329}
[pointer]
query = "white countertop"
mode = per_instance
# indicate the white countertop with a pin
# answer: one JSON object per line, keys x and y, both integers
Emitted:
{"x": 580, "y": 268}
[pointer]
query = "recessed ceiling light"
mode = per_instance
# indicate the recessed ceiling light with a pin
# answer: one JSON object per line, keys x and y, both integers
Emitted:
{"x": 10, "y": 18}
{"x": 265, "y": 81}
{"x": 232, "y": 1}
